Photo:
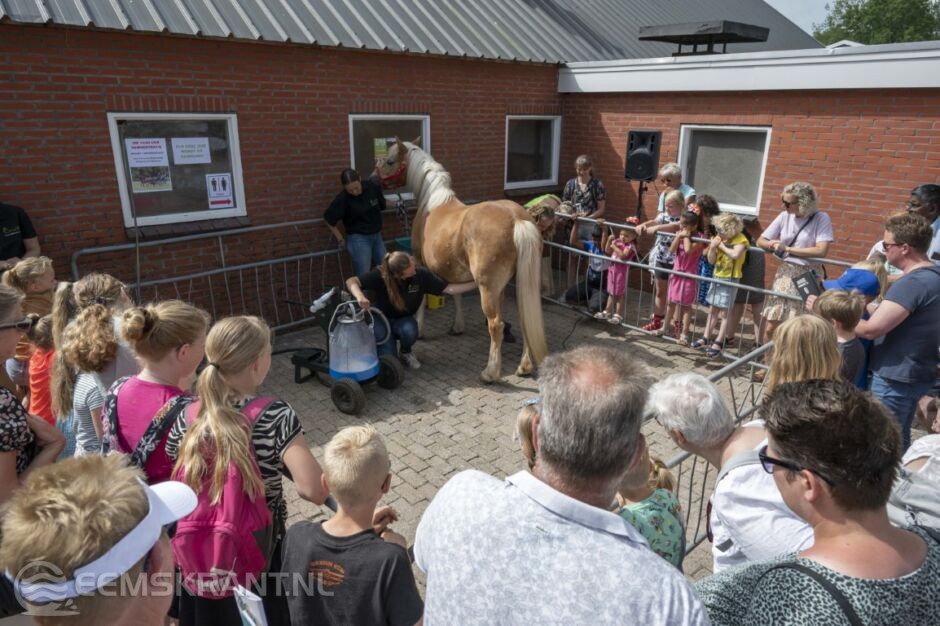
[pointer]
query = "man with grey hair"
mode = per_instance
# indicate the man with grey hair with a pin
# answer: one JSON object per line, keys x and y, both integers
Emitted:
{"x": 748, "y": 520}
{"x": 544, "y": 547}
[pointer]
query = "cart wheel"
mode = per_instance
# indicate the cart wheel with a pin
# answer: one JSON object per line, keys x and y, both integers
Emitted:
{"x": 391, "y": 372}
{"x": 348, "y": 396}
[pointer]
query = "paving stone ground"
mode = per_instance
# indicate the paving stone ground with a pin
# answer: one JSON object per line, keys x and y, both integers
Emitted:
{"x": 443, "y": 420}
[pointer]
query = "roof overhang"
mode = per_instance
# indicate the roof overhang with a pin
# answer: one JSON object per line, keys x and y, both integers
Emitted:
{"x": 892, "y": 66}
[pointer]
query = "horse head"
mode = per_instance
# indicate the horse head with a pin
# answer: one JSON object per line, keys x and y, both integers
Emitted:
{"x": 392, "y": 170}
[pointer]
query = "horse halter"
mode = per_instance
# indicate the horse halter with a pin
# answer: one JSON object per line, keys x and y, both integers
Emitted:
{"x": 395, "y": 179}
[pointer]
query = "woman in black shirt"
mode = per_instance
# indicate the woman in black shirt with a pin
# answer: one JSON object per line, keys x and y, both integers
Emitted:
{"x": 399, "y": 287}
{"x": 359, "y": 206}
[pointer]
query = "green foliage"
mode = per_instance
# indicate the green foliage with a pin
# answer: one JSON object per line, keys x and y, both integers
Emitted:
{"x": 880, "y": 21}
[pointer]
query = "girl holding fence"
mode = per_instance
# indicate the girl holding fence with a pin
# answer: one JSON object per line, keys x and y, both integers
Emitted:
{"x": 621, "y": 248}
{"x": 727, "y": 251}
{"x": 682, "y": 290}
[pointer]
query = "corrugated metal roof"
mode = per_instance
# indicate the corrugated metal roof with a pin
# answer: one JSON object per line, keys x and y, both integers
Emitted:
{"x": 540, "y": 31}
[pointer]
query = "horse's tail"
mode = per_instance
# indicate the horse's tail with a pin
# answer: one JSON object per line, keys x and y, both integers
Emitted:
{"x": 528, "y": 243}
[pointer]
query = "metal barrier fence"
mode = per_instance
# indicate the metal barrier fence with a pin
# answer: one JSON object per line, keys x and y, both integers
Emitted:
{"x": 276, "y": 289}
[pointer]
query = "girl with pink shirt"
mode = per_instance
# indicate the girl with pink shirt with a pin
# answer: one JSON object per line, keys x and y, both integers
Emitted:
{"x": 682, "y": 290}
{"x": 169, "y": 339}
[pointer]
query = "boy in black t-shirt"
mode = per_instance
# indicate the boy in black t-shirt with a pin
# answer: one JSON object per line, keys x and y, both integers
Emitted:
{"x": 355, "y": 570}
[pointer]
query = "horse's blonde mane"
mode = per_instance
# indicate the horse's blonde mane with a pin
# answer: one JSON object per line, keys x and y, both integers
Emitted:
{"x": 429, "y": 181}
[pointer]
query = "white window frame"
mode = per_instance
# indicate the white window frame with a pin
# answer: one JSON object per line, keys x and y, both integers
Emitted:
{"x": 685, "y": 140}
{"x": 556, "y": 151}
{"x": 239, "y": 210}
{"x": 425, "y": 140}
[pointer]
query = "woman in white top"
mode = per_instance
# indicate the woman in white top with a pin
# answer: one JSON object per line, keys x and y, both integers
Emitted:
{"x": 798, "y": 236}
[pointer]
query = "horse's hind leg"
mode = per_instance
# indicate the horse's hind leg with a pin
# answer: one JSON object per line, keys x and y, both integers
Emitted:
{"x": 490, "y": 302}
{"x": 525, "y": 363}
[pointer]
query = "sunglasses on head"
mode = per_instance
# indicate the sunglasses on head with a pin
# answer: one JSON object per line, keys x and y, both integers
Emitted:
{"x": 22, "y": 325}
{"x": 768, "y": 462}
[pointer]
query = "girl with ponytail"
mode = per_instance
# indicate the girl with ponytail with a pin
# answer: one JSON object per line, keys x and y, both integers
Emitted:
{"x": 169, "y": 339}
{"x": 399, "y": 287}
{"x": 238, "y": 351}
{"x": 90, "y": 357}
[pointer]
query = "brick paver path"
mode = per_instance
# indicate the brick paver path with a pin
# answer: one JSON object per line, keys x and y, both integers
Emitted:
{"x": 443, "y": 420}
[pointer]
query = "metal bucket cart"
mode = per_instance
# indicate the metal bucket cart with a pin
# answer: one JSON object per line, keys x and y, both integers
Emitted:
{"x": 329, "y": 311}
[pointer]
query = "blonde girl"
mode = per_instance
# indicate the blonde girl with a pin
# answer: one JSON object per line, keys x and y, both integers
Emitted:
{"x": 91, "y": 357}
{"x": 26, "y": 441}
{"x": 645, "y": 499}
{"x": 169, "y": 339}
{"x": 35, "y": 279}
{"x": 238, "y": 352}
{"x": 40, "y": 369}
{"x": 805, "y": 348}
{"x": 877, "y": 268}
{"x": 727, "y": 251}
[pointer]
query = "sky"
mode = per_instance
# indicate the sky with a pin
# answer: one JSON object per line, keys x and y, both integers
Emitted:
{"x": 803, "y": 12}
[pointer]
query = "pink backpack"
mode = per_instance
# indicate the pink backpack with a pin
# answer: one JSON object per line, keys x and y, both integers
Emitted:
{"x": 218, "y": 547}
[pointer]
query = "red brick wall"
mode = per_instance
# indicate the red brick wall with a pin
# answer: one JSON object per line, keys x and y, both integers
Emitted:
{"x": 862, "y": 150}
{"x": 292, "y": 104}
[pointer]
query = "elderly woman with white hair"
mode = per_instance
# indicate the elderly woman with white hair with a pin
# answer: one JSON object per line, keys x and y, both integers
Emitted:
{"x": 670, "y": 175}
{"x": 748, "y": 520}
{"x": 797, "y": 236}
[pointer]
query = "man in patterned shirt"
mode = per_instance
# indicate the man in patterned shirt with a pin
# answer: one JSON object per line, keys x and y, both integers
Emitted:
{"x": 543, "y": 547}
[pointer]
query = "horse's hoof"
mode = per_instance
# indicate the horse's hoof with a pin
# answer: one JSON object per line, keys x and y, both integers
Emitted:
{"x": 523, "y": 371}
{"x": 487, "y": 378}
{"x": 455, "y": 331}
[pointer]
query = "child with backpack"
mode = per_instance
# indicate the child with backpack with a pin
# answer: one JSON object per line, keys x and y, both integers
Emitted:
{"x": 232, "y": 447}
{"x": 169, "y": 339}
{"x": 361, "y": 565}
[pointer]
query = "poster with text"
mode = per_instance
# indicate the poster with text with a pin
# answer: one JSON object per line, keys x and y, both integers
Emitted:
{"x": 190, "y": 150}
{"x": 219, "y": 187}
{"x": 149, "y": 164}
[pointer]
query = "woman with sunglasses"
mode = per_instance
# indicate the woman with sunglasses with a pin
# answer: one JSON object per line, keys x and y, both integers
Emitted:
{"x": 833, "y": 452}
{"x": 799, "y": 235}
{"x": 26, "y": 441}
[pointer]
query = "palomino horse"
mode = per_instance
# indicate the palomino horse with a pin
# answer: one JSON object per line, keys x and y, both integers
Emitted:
{"x": 486, "y": 243}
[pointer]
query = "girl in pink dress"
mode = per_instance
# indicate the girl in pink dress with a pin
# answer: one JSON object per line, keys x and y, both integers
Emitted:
{"x": 682, "y": 291}
{"x": 623, "y": 248}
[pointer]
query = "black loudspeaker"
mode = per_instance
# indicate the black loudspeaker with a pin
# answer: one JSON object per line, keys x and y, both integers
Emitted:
{"x": 642, "y": 154}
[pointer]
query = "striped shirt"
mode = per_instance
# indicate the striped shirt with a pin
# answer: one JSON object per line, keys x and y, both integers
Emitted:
{"x": 272, "y": 433}
{"x": 88, "y": 397}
